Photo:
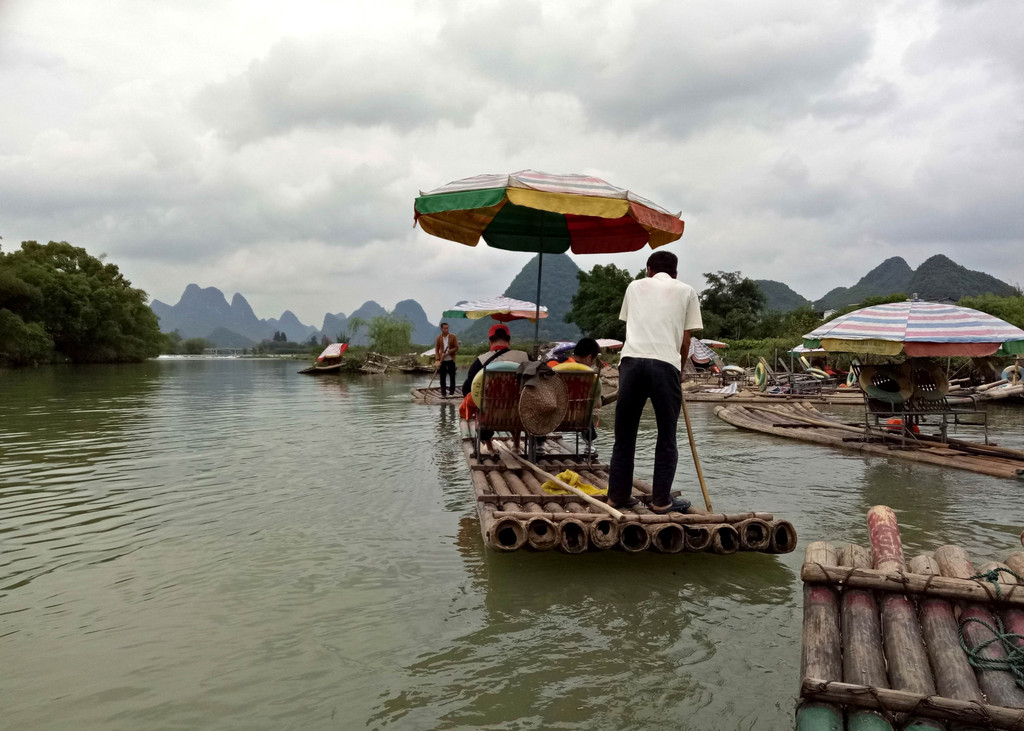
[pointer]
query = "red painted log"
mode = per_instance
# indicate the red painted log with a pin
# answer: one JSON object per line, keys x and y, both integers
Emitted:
{"x": 901, "y": 632}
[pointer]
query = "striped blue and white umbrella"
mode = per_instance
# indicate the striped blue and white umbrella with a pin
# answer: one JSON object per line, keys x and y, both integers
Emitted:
{"x": 918, "y": 329}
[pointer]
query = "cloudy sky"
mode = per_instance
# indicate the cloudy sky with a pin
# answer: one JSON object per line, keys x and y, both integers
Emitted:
{"x": 275, "y": 149}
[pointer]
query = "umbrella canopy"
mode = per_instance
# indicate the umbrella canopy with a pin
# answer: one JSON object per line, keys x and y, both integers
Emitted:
{"x": 547, "y": 214}
{"x": 714, "y": 343}
{"x": 334, "y": 350}
{"x": 700, "y": 351}
{"x": 544, "y": 213}
{"x": 609, "y": 343}
{"x": 801, "y": 350}
{"x": 503, "y": 309}
{"x": 918, "y": 329}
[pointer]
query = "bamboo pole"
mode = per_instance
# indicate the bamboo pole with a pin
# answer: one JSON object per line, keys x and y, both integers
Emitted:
{"x": 541, "y": 532}
{"x": 1013, "y": 618}
{"x": 954, "y": 677}
{"x": 822, "y": 642}
{"x": 693, "y": 451}
{"x": 901, "y": 632}
{"x": 969, "y": 713}
{"x": 998, "y": 685}
{"x": 573, "y": 536}
{"x": 940, "y": 586}
{"x": 863, "y": 661}
{"x": 603, "y": 533}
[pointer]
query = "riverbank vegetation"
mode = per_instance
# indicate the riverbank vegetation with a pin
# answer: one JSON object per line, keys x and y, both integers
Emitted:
{"x": 60, "y": 304}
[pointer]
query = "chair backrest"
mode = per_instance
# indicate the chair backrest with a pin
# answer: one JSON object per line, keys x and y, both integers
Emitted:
{"x": 584, "y": 390}
{"x": 500, "y": 407}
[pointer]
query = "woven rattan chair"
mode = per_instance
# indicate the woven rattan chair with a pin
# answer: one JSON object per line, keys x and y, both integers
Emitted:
{"x": 499, "y": 410}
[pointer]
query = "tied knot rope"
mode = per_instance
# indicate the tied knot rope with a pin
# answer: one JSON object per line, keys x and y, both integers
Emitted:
{"x": 1002, "y": 642}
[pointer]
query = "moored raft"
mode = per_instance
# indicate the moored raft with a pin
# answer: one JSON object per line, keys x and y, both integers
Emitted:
{"x": 515, "y": 512}
{"x": 890, "y": 644}
{"x": 803, "y": 422}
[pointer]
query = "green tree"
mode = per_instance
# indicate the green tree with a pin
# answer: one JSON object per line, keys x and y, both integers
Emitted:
{"x": 86, "y": 307}
{"x": 194, "y": 346}
{"x": 597, "y": 302}
{"x": 731, "y": 305}
{"x": 172, "y": 342}
{"x": 354, "y": 325}
{"x": 390, "y": 335}
{"x": 23, "y": 343}
{"x": 1010, "y": 309}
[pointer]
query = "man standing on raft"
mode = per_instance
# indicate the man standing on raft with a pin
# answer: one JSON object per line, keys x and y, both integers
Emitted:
{"x": 445, "y": 348}
{"x": 660, "y": 312}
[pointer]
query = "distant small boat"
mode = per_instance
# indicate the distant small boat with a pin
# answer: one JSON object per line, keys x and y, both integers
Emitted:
{"x": 328, "y": 361}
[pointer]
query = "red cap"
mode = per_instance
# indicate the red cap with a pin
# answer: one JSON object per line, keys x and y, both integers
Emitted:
{"x": 499, "y": 328}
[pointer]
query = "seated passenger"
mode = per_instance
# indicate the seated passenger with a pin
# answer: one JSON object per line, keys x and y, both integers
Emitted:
{"x": 500, "y": 339}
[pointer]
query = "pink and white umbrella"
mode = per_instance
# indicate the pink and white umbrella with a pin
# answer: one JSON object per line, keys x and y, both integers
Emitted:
{"x": 918, "y": 329}
{"x": 334, "y": 350}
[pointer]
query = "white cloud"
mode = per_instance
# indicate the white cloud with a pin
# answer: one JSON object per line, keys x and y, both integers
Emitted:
{"x": 276, "y": 151}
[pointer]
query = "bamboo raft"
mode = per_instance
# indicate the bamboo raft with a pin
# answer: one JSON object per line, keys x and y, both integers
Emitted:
{"x": 882, "y": 638}
{"x": 375, "y": 364}
{"x": 515, "y": 512}
{"x": 803, "y": 422}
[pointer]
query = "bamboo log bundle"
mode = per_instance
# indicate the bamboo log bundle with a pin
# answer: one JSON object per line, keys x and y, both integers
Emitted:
{"x": 954, "y": 677}
{"x": 698, "y": 537}
{"x": 975, "y": 620}
{"x": 501, "y": 534}
{"x": 634, "y": 538}
{"x": 901, "y": 632}
{"x": 863, "y": 661}
{"x": 821, "y": 656}
{"x": 667, "y": 537}
{"x": 724, "y": 539}
{"x": 573, "y": 536}
{"x": 755, "y": 534}
{"x": 948, "y": 588}
{"x": 604, "y": 533}
{"x": 783, "y": 537}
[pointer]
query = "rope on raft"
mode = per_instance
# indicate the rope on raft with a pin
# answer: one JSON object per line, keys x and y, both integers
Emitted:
{"x": 1012, "y": 643}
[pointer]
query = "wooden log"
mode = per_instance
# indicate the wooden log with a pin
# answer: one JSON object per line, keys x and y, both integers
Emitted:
{"x": 821, "y": 656}
{"x": 603, "y": 533}
{"x": 968, "y": 713}
{"x": 724, "y": 539}
{"x": 633, "y": 538}
{"x": 999, "y": 686}
{"x": 783, "y": 537}
{"x": 755, "y": 534}
{"x": 905, "y": 652}
{"x": 683, "y": 519}
{"x": 954, "y": 677}
{"x": 941, "y": 586}
{"x": 667, "y": 537}
{"x": 697, "y": 537}
{"x": 863, "y": 661}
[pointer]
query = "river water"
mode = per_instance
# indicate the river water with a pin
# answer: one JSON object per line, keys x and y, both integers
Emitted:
{"x": 227, "y": 544}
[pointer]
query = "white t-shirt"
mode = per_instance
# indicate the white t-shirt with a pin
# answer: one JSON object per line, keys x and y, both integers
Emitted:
{"x": 657, "y": 311}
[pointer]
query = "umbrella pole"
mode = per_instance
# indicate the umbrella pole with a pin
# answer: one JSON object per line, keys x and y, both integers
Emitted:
{"x": 696, "y": 460}
{"x": 536, "y": 322}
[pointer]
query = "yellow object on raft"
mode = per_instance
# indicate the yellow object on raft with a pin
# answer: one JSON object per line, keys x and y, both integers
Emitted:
{"x": 570, "y": 477}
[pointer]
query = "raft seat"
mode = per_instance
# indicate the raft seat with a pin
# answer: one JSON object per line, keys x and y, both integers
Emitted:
{"x": 584, "y": 394}
{"x": 499, "y": 407}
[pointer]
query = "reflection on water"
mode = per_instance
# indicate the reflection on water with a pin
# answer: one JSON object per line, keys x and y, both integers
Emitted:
{"x": 227, "y": 543}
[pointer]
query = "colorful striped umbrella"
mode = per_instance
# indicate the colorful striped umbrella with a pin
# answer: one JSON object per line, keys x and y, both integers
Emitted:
{"x": 546, "y": 214}
{"x": 918, "y": 329}
{"x": 503, "y": 309}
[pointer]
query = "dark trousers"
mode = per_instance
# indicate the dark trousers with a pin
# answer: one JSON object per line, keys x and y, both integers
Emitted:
{"x": 641, "y": 379}
{"x": 447, "y": 371}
